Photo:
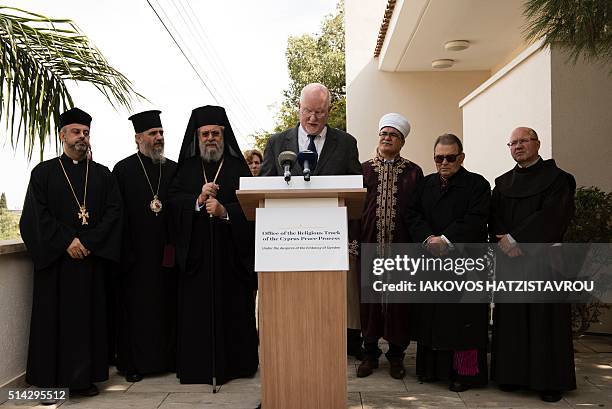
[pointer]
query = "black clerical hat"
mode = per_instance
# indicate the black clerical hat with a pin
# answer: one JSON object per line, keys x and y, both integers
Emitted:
{"x": 74, "y": 116}
{"x": 210, "y": 115}
{"x": 146, "y": 120}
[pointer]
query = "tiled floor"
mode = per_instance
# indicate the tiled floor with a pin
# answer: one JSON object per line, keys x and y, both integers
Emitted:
{"x": 378, "y": 391}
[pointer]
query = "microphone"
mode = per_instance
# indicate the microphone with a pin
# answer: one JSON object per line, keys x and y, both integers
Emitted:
{"x": 306, "y": 160}
{"x": 286, "y": 159}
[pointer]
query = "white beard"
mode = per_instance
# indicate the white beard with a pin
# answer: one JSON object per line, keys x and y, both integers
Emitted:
{"x": 210, "y": 155}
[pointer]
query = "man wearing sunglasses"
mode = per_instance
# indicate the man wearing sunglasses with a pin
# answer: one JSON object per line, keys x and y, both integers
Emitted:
{"x": 532, "y": 203}
{"x": 451, "y": 207}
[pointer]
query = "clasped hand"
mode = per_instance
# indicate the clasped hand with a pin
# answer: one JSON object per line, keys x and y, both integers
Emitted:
{"x": 510, "y": 249}
{"x": 208, "y": 197}
{"x": 437, "y": 246}
{"x": 76, "y": 249}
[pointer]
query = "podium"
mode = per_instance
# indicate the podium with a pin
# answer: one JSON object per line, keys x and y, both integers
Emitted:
{"x": 301, "y": 257}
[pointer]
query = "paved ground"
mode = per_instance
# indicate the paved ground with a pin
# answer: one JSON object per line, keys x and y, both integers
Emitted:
{"x": 378, "y": 391}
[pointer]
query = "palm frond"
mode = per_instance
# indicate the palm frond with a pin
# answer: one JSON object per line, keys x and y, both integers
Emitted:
{"x": 582, "y": 27}
{"x": 38, "y": 56}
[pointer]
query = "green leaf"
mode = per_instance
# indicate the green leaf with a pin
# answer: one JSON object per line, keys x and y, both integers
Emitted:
{"x": 39, "y": 55}
{"x": 583, "y": 28}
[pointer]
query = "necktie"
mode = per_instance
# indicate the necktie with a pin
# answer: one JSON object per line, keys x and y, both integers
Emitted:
{"x": 443, "y": 184}
{"x": 312, "y": 147}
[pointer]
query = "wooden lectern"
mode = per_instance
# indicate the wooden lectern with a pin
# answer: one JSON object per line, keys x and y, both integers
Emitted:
{"x": 302, "y": 310}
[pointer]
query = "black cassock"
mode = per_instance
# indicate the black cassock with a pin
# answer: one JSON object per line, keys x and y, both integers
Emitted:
{"x": 532, "y": 343}
{"x": 460, "y": 213}
{"x": 231, "y": 299}
{"x": 146, "y": 287}
{"x": 68, "y": 329}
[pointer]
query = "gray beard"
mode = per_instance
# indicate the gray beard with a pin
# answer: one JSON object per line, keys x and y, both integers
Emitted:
{"x": 209, "y": 155}
{"x": 158, "y": 157}
{"x": 78, "y": 148}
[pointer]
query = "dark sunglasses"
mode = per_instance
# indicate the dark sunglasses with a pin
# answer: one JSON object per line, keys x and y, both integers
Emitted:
{"x": 449, "y": 158}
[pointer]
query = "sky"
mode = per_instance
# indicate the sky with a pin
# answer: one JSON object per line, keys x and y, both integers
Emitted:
{"x": 238, "y": 49}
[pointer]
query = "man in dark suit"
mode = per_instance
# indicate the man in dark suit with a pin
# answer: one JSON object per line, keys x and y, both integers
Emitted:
{"x": 336, "y": 153}
{"x": 336, "y": 150}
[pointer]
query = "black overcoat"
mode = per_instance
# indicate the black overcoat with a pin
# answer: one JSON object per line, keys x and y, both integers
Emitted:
{"x": 460, "y": 213}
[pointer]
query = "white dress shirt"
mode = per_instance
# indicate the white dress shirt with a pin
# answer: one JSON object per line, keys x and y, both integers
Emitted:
{"x": 304, "y": 140}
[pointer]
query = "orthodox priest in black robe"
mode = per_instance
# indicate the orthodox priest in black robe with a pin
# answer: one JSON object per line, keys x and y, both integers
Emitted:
{"x": 71, "y": 225}
{"x": 217, "y": 338}
{"x": 391, "y": 182}
{"x": 451, "y": 207}
{"x": 532, "y": 203}
{"x": 146, "y": 283}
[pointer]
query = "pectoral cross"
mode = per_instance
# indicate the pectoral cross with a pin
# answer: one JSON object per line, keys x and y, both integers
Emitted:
{"x": 83, "y": 215}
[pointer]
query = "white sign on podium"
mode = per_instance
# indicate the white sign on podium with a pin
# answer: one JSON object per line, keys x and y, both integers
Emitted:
{"x": 297, "y": 233}
{"x": 272, "y": 183}
{"x": 301, "y": 239}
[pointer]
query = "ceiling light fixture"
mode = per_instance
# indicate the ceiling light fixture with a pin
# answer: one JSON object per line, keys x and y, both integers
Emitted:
{"x": 456, "y": 45}
{"x": 443, "y": 63}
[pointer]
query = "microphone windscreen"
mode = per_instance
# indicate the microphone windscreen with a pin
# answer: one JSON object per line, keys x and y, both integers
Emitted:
{"x": 286, "y": 156}
{"x": 310, "y": 156}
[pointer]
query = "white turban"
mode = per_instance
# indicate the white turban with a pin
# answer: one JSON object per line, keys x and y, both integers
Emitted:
{"x": 396, "y": 121}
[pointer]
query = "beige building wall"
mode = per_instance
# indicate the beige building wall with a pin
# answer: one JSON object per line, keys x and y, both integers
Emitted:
{"x": 428, "y": 99}
{"x": 582, "y": 120}
{"x": 16, "y": 280}
{"x": 507, "y": 59}
{"x": 568, "y": 105}
{"x": 517, "y": 95}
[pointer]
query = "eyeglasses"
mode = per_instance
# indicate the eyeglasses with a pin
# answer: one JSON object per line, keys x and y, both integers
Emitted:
{"x": 390, "y": 135}
{"x": 317, "y": 114}
{"x": 520, "y": 142}
{"x": 214, "y": 133}
{"x": 449, "y": 158}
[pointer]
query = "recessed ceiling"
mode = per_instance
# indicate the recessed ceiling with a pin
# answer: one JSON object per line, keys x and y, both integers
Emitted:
{"x": 420, "y": 28}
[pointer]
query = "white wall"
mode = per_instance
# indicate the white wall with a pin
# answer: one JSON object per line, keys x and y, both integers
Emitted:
{"x": 520, "y": 96}
{"x": 582, "y": 120}
{"x": 428, "y": 99}
{"x": 568, "y": 105}
{"x": 362, "y": 21}
{"x": 16, "y": 278}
